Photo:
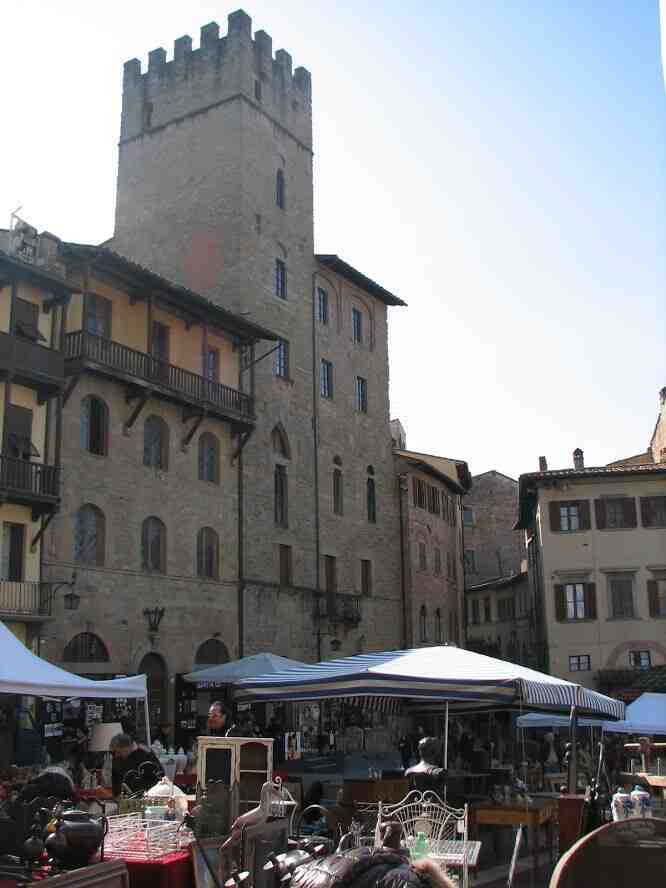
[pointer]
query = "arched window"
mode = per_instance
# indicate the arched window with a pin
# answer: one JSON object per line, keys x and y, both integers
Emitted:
{"x": 86, "y": 648}
{"x": 337, "y": 492}
{"x": 280, "y": 442}
{"x": 209, "y": 458}
{"x": 153, "y": 545}
{"x": 279, "y": 189}
{"x": 89, "y": 533}
{"x": 423, "y": 618}
{"x": 438, "y": 625}
{"x": 371, "y": 501}
{"x": 156, "y": 443}
{"x": 281, "y": 496}
{"x": 211, "y": 653}
{"x": 208, "y": 554}
{"x": 94, "y": 426}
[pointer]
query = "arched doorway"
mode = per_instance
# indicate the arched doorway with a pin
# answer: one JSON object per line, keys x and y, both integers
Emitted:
{"x": 211, "y": 653}
{"x": 154, "y": 667}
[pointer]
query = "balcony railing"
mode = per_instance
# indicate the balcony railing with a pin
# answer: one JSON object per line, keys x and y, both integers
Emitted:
{"x": 25, "y": 599}
{"x": 32, "y": 364}
{"x": 340, "y": 608}
{"x": 181, "y": 383}
{"x": 29, "y": 480}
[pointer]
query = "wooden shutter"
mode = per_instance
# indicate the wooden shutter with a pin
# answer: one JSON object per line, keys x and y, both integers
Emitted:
{"x": 583, "y": 514}
{"x": 600, "y": 514}
{"x": 26, "y": 319}
{"x": 554, "y": 508}
{"x": 653, "y": 597}
{"x": 629, "y": 507}
{"x": 590, "y": 601}
{"x": 647, "y": 511}
{"x": 560, "y": 602}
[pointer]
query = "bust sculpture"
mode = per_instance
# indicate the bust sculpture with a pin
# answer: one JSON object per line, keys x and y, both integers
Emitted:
{"x": 427, "y": 775}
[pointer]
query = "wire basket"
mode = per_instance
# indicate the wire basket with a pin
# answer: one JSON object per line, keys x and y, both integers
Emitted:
{"x": 133, "y": 837}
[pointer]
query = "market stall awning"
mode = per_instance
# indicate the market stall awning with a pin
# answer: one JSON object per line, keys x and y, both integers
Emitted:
{"x": 22, "y": 672}
{"x": 246, "y": 667}
{"x": 444, "y": 674}
{"x": 551, "y": 720}
{"x": 646, "y": 715}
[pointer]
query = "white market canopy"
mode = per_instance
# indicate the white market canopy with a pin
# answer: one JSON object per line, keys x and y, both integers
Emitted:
{"x": 22, "y": 672}
{"x": 445, "y": 674}
{"x": 646, "y": 715}
{"x": 246, "y": 667}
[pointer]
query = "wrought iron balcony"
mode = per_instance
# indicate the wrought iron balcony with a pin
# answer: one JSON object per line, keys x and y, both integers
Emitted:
{"x": 32, "y": 365}
{"x": 340, "y": 608}
{"x": 164, "y": 380}
{"x": 27, "y": 600}
{"x": 29, "y": 483}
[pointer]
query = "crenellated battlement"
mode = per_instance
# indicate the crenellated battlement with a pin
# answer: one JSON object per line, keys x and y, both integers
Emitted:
{"x": 220, "y": 69}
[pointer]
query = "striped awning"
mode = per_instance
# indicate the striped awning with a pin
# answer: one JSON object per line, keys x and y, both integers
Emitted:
{"x": 438, "y": 674}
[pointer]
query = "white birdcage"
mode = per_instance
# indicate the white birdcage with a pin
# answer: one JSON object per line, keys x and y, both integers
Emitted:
{"x": 134, "y": 837}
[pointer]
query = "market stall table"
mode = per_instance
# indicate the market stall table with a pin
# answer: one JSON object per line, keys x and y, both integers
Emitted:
{"x": 538, "y": 814}
{"x": 171, "y": 871}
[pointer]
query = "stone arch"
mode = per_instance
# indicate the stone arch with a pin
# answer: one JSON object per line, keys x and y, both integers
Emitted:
{"x": 211, "y": 652}
{"x": 280, "y": 441}
{"x": 626, "y": 646}
{"x": 86, "y": 647}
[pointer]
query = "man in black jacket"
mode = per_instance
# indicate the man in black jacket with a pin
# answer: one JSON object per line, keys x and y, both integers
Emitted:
{"x": 134, "y": 765}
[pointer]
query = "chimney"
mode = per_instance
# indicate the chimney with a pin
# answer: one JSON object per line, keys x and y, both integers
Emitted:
{"x": 579, "y": 462}
{"x": 543, "y": 465}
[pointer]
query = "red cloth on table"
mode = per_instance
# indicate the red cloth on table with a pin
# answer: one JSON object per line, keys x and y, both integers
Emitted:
{"x": 171, "y": 871}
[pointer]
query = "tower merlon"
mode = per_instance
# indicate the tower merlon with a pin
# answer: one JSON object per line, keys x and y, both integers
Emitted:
{"x": 283, "y": 60}
{"x": 182, "y": 47}
{"x": 210, "y": 37}
{"x": 156, "y": 59}
{"x": 240, "y": 25}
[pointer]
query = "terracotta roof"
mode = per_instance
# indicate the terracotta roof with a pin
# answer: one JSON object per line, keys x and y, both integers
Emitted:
{"x": 335, "y": 263}
{"x": 194, "y": 301}
{"x": 529, "y": 482}
{"x": 440, "y": 467}
{"x": 47, "y": 279}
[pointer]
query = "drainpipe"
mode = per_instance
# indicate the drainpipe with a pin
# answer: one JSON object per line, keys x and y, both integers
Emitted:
{"x": 315, "y": 451}
{"x": 402, "y": 489}
{"x": 463, "y": 603}
{"x": 241, "y": 512}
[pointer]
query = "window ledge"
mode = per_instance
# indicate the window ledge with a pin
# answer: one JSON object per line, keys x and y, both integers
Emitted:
{"x": 615, "y": 529}
{"x": 580, "y": 620}
{"x": 623, "y": 619}
{"x": 285, "y": 380}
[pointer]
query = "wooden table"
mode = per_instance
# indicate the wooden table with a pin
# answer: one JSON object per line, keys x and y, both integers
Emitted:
{"x": 385, "y": 790}
{"x": 538, "y": 814}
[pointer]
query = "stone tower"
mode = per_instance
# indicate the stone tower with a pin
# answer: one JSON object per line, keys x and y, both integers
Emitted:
{"x": 215, "y": 191}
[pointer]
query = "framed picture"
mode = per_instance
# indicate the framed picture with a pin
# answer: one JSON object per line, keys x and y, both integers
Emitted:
{"x": 202, "y": 875}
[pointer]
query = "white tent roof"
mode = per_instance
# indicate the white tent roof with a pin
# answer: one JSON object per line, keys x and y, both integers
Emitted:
{"x": 22, "y": 672}
{"x": 439, "y": 674}
{"x": 646, "y": 715}
{"x": 246, "y": 667}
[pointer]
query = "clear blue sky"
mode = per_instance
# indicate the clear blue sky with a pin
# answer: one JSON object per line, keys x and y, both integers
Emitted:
{"x": 500, "y": 165}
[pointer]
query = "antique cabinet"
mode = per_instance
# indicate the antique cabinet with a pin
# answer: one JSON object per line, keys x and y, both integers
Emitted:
{"x": 236, "y": 767}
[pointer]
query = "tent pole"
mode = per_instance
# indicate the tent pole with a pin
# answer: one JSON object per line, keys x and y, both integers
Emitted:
{"x": 446, "y": 735}
{"x": 573, "y": 752}
{"x": 147, "y": 714}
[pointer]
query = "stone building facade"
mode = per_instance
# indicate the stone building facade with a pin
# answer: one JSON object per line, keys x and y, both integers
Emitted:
{"x": 215, "y": 191}
{"x": 492, "y": 547}
{"x": 499, "y": 619}
{"x": 153, "y": 418}
{"x": 431, "y": 490}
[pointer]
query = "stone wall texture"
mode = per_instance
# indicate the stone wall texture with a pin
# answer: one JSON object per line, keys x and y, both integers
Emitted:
{"x": 498, "y": 549}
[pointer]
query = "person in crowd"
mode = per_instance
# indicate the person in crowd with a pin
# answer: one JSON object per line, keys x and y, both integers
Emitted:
{"x": 220, "y": 721}
{"x": 162, "y": 736}
{"x": 52, "y": 782}
{"x": 466, "y": 748}
{"x": 405, "y": 750}
{"x": 134, "y": 765}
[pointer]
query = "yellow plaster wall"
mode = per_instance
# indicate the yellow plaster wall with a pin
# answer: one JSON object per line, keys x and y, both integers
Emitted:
{"x": 25, "y": 397}
{"x": 75, "y": 313}
{"x": 12, "y": 513}
{"x": 19, "y": 630}
{"x": 229, "y": 359}
{"x": 5, "y": 308}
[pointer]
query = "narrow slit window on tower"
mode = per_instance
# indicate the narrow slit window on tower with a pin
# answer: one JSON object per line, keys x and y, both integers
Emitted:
{"x": 257, "y": 90}
{"x": 280, "y": 279}
{"x": 279, "y": 189}
{"x": 337, "y": 492}
{"x": 322, "y": 305}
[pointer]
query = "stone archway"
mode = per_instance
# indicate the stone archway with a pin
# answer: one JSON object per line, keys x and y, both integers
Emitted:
{"x": 211, "y": 653}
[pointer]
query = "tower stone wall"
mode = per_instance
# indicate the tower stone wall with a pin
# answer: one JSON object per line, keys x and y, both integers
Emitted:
{"x": 203, "y": 138}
